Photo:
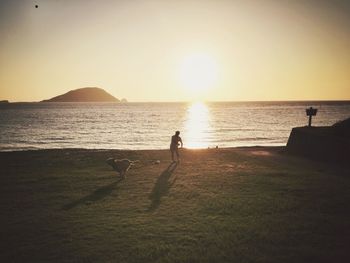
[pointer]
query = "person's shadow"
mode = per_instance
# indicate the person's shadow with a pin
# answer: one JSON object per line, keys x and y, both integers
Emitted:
{"x": 162, "y": 186}
{"x": 98, "y": 194}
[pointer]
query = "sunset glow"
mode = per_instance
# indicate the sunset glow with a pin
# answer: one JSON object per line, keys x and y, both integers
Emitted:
{"x": 198, "y": 73}
{"x": 169, "y": 51}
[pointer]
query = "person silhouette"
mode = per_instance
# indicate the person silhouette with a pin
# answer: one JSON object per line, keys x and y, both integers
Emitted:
{"x": 174, "y": 145}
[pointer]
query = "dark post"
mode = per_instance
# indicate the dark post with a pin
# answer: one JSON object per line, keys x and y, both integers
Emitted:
{"x": 311, "y": 112}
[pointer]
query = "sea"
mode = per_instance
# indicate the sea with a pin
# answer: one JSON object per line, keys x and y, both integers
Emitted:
{"x": 32, "y": 126}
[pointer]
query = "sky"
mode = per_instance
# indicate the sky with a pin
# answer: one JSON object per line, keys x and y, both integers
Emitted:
{"x": 176, "y": 50}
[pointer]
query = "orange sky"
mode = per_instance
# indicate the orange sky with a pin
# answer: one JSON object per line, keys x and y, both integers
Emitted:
{"x": 262, "y": 50}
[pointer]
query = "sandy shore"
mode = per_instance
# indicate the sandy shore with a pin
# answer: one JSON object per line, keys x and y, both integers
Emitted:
{"x": 254, "y": 204}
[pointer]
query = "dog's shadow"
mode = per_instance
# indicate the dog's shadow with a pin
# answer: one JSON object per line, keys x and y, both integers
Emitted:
{"x": 162, "y": 186}
{"x": 97, "y": 195}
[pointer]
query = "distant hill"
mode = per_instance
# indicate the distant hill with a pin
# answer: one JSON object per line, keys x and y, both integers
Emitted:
{"x": 84, "y": 95}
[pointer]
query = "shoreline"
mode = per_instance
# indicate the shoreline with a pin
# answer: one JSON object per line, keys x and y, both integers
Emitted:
{"x": 141, "y": 150}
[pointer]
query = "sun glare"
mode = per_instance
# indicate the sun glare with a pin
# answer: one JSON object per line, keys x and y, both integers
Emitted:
{"x": 198, "y": 72}
{"x": 197, "y": 126}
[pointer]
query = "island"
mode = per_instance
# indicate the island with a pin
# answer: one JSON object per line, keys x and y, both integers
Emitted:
{"x": 88, "y": 94}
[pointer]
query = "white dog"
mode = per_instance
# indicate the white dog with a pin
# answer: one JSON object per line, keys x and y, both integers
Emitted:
{"x": 121, "y": 166}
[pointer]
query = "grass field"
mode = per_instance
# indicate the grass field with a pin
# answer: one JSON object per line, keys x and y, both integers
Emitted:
{"x": 218, "y": 205}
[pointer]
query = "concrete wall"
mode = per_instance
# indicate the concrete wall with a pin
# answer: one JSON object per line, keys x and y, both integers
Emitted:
{"x": 320, "y": 143}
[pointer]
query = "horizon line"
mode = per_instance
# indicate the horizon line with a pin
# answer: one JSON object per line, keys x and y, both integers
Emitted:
{"x": 205, "y": 101}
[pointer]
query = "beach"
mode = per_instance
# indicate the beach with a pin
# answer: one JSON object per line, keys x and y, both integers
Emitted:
{"x": 256, "y": 91}
{"x": 249, "y": 204}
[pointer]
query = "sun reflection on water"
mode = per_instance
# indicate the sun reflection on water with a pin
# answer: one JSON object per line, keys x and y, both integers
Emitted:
{"x": 197, "y": 126}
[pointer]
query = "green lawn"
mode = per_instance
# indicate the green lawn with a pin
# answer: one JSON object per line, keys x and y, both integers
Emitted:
{"x": 217, "y": 205}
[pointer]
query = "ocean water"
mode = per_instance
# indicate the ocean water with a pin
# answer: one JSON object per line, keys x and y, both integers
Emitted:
{"x": 26, "y": 126}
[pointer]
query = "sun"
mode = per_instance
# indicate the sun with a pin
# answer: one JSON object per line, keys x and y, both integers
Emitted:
{"x": 198, "y": 72}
